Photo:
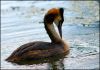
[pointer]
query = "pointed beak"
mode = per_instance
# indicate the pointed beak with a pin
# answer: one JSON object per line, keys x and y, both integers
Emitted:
{"x": 60, "y": 29}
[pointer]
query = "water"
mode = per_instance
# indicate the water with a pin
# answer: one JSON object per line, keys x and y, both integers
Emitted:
{"x": 20, "y": 24}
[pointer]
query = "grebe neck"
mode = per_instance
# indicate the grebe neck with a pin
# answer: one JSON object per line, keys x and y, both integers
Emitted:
{"x": 55, "y": 38}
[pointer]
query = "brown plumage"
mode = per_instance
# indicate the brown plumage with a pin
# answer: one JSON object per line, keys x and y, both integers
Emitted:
{"x": 39, "y": 49}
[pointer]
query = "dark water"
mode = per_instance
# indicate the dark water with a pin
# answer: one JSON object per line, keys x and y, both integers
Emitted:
{"x": 19, "y": 26}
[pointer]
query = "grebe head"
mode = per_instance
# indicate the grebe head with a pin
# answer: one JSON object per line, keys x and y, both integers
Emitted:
{"x": 55, "y": 15}
{"x": 60, "y": 21}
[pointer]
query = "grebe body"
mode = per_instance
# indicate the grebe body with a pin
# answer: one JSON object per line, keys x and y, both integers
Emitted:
{"x": 39, "y": 49}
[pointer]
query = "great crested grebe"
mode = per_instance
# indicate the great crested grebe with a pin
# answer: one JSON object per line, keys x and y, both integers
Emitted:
{"x": 39, "y": 49}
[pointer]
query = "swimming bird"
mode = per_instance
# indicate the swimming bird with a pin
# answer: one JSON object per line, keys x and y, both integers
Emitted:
{"x": 40, "y": 49}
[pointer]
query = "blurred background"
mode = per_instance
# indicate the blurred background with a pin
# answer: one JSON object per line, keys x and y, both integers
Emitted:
{"x": 21, "y": 23}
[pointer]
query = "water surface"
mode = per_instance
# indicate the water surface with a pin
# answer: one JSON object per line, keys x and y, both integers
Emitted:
{"x": 20, "y": 24}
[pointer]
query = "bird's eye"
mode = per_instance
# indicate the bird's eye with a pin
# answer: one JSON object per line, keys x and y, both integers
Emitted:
{"x": 61, "y": 21}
